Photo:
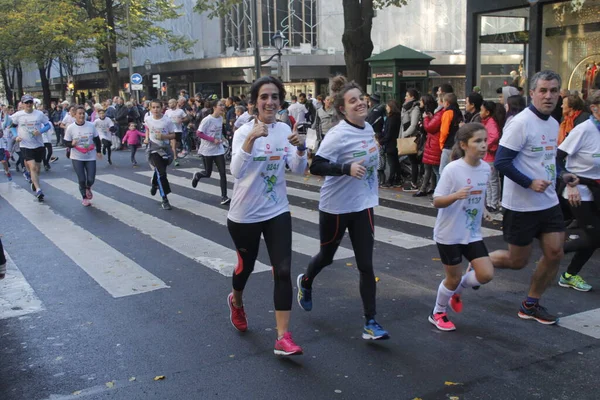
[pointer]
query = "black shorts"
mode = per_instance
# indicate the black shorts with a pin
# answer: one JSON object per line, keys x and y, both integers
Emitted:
{"x": 36, "y": 154}
{"x": 521, "y": 227}
{"x": 178, "y": 137}
{"x": 452, "y": 254}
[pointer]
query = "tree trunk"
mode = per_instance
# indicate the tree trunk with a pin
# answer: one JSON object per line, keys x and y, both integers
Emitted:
{"x": 358, "y": 46}
{"x": 63, "y": 84}
{"x": 7, "y": 85}
{"x": 45, "y": 85}
{"x": 19, "y": 80}
{"x": 110, "y": 51}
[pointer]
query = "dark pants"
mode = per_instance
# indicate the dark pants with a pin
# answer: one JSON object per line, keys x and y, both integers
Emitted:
{"x": 430, "y": 175}
{"x": 588, "y": 219}
{"x": 60, "y": 133}
{"x": 159, "y": 178}
{"x": 414, "y": 168}
{"x": 86, "y": 174}
{"x": 208, "y": 166}
{"x": 133, "y": 148}
{"x": 395, "y": 176}
{"x": 277, "y": 232}
{"x": 2, "y": 257}
{"x": 360, "y": 226}
{"x": 48, "y": 155}
{"x": 106, "y": 147}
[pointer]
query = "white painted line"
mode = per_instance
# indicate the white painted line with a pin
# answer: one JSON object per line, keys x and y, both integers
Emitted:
{"x": 587, "y": 323}
{"x": 391, "y": 213}
{"x": 214, "y": 256}
{"x": 17, "y": 297}
{"x": 300, "y": 243}
{"x": 116, "y": 273}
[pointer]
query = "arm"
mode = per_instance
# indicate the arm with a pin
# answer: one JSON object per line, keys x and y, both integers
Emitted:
{"x": 432, "y": 124}
{"x": 240, "y": 159}
{"x": 323, "y": 167}
{"x": 493, "y": 136}
{"x": 205, "y": 137}
{"x": 414, "y": 122}
{"x": 98, "y": 144}
{"x": 447, "y": 201}
{"x": 445, "y": 127}
{"x": 504, "y": 164}
{"x": 297, "y": 160}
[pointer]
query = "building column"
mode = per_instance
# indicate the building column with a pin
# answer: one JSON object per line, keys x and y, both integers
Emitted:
{"x": 534, "y": 48}
{"x": 473, "y": 59}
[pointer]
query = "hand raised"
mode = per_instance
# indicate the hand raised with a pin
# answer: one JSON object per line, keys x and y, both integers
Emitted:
{"x": 357, "y": 170}
{"x": 259, "y": 130}
{"x": 463, "y": 193}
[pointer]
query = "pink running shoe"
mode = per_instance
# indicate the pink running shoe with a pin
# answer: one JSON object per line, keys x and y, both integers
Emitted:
{"x": 237, "y": 315}
{"x": 441, "y": 321}
{"x": 88, "y": 194}
{"x": 86, "y": 203}
{"x": 286, "y": 346}
{"x": 455, "y": 303}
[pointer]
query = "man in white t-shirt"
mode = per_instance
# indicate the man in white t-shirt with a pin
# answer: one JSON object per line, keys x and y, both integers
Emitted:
{"x": 297, "y": 110}
{"x": 526, "y": 157}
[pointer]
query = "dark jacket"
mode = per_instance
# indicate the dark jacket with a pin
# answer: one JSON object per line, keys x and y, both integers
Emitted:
{"x": 391, "y": 131}
{"x": 121, "y": 114}
{"x": 375, "y": 117}
{"x": 584, "y": 116}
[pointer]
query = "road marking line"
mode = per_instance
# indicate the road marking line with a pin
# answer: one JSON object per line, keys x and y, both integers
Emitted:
{"x": 208, "y": 253}
{"x": 587, "y": 323}
{"x": 300, "y": 243}
{"x": 17, "y": 297}
{"x": 116, "y": 273}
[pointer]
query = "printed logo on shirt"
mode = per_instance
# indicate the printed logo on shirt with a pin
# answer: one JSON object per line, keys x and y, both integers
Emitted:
{"x": 550, "y": 148}
{"x": 468, "y": 181}
{"x": 274, "y": 158}
{"x": 476, "y": 192}
{"x": 372, "y": 149}
{"x": 536, "y": 149}
{"x": 279, "y": 149}
{"x": 595, "y": 155}
{"x": 364, "y": 144}
{"x": 263, "y": 158}
{"x": 359, "y": 154}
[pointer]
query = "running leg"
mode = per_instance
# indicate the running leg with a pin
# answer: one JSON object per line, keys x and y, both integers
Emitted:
{"x": 79, "y": 167}
{"x": 246, "y": 239}
{"x": 220, "y": 161}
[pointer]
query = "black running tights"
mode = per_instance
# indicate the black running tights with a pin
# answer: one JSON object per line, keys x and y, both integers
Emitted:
{"x": 360, "y": 226}
{"x": 106, "y": 147}
{"x": 588, "y": 218}
{"x": 48, "y": 154}
{"x": 208, "y": 166}
{"x": 159, "y": 178}
{"x": 277, "y": 232}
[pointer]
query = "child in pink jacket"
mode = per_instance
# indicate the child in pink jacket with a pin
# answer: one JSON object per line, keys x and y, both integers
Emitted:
{"x": 132, "y": 138}
{"x": 492, "y": 126}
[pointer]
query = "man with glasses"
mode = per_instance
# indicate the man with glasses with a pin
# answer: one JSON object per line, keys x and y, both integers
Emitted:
{"x": 30, "y": 125}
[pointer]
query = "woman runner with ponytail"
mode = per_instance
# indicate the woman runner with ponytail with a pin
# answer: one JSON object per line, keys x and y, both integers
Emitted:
{"x": 460, "y": 198}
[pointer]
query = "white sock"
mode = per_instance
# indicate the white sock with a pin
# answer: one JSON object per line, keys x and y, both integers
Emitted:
{"x": 443, "y": 296}
{"x": 468, "y": 281}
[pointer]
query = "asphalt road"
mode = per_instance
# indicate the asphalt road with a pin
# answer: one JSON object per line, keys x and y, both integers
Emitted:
{"x": 115, "y": 304}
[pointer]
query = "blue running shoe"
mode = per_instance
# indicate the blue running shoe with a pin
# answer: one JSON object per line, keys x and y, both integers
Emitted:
{"x": 304, "y": 295}
{"x": 374, "y": 331}
{"x": 27, "y": 176}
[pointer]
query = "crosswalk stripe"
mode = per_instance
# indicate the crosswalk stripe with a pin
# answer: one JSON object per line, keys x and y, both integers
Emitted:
{"x": 300, "y": 243}
{"x": 17, "y": 297}
{"x": 214, "y": 256}
{"x": 116, "y": 273}
{"x": 387, "y": 212}
{"x": 384, "y": 235}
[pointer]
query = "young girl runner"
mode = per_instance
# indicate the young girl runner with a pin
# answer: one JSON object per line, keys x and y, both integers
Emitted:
{"x": 460, "y": 198}
{"x": 83, "y": 140}
{"x": 348, "y": 157}
{"x": 132, "y": 138}
{"x": 260, "y": 206}
{"x": 105, "y": 128}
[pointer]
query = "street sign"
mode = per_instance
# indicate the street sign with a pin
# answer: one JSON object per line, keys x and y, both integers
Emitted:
{"x": 135, "y": 86}
{"x": 136, "y": 79}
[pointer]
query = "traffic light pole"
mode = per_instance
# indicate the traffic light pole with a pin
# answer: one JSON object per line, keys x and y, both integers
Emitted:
{"x": 130, "y": 55}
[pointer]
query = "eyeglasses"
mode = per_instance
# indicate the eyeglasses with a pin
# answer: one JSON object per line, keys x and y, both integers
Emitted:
{"x": 28, "y": 102}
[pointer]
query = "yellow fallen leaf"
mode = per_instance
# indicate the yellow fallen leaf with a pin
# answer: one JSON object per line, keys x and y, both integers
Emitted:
{"x": 377, "y": 279}
{"x": 348, "y": 264}
{"x": 231, "y": 355}
{"x": 132, "y": 379}
{"x": 417, "y": 398}
{"x": 436, "y": 259}
{"x": 398, "y": 196}
{"x": 75, "y": 393}
{"x": 159, "y": 378}
{"x": 454, "y": 398}
{"x": 448, "y": 383}
{"x": 110, "y": 384}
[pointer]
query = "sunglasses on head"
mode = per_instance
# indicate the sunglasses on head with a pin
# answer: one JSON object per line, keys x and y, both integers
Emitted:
{"x": 28, "y": 102}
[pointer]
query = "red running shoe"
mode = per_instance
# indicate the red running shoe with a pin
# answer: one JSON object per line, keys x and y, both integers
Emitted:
{"x": 237, "y": 315}
{"x": 286, "y": 346}
{"x": 88, "y": 193}
{"x": 455, "y": 303}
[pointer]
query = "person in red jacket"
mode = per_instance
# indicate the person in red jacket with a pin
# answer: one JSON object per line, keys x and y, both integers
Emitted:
{"x": 492, "y": 126}
{"x": 432, "y": 153}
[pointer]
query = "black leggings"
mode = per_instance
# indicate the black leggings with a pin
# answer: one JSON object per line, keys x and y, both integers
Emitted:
{"x": 395, "y": 176}
{"x": 208, "y": 166}
{"x": 86, "y": 174}
{"x": 106, "y": 147}
{"x": 48, "y": 155}
{"x": 588, "y": 218}
{"x": 133, "y": 148}
{"x": 360, "y": 226}
{"x": 414, "y": 168}
{"x": 20, "y": 160}
{"x": 160, "y": 168}
{"x": 2, "y": 257}
{"x": 277, "y": 232}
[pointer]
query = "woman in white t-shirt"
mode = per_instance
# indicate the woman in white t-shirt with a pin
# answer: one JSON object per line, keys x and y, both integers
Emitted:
{"x": 83, "y": 140}
{"x": 259, "y": 206}
{"x": 348, "y": 158}
{"x": 460, "y": 198}
{"x": 211, "y": 148}
{"x": 582, "y": 152}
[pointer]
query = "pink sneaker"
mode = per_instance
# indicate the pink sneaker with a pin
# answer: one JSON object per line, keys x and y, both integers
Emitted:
{"x": 286, "y": 346}
{"x": 237, "y": 315}
{"x": 86, "y": 203}
{"x": 455, "y": 303}
{"x": 441, "y": 321}
{"x": 88, "y": 194}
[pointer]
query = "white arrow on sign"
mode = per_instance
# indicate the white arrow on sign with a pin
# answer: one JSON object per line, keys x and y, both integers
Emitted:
{"x": 136, "y": 79}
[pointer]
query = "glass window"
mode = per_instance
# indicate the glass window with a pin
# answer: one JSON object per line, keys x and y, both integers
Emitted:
{"x": 571, "y": 43}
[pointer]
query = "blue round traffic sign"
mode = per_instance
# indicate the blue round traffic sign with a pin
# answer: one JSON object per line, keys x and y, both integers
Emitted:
{"x": 136, "y": 79}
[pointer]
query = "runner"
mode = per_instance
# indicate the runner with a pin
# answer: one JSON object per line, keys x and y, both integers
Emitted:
{"x": 82, "y": 137}
{"x": 211, "y": 149}
{"x": 30, "y": 125}
{"x": 48, "y": 157}
{"x": 159, "y": 130}
{"x": 526, "y": 157}
{"x": 460, "y": 198}
{"x": 581, "y": 148}
{"x": 106, "y": 129}
{"x": 348, "y": 159}
{"x": 260, "y": 205}
{"x": 4, "y": 155}
{"x": 177, "y": 115}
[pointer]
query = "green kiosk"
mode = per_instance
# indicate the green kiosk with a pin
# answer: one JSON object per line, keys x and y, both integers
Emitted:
{"x": 398, "y": 69}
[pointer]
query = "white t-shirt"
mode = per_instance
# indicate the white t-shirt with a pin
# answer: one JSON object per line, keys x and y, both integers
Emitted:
{"x": 103, "y": 127}
{"x": 68, "y": 120}
{"x": 85, "y": 135}
{"x": 460, "y": 223}
{"x": 242, "y": 119}
{"x": 212, "y": 127}
{"x": 27, "y": 124}
{"x": 259, "y": 191}
{"x": 156, "y": 127}
{"x": 177, "y": 115}
{"x": 47, "y": 136}
{"x": 346, "y": 144}
{"x": 536, "y": 141}
{"x": 583, "y": 147}
{"x": 298, "y": 111}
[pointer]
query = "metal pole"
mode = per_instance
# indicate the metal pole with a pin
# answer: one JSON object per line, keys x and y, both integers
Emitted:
{"x": 279, "y": 65}
{"x": 256, "y": 41}
{"x": 129, "y": 49}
